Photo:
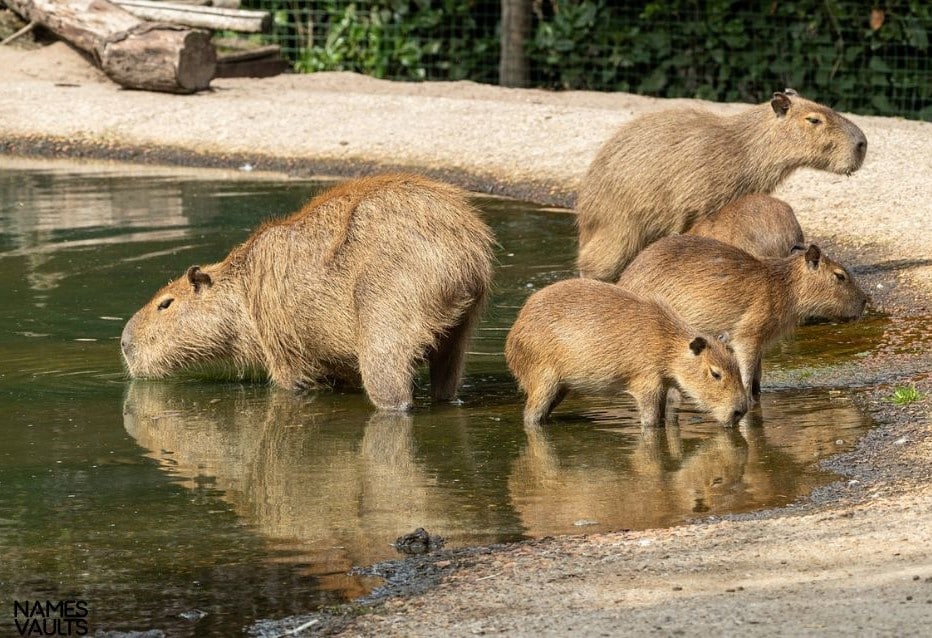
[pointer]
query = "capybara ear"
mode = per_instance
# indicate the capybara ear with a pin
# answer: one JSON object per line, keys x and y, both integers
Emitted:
{"x": 813, "y": 254}
{"x": 198, "y": 278}
{"x": 790, "y": 92}
{"x": 780, "y": 103}
{"x": 697, "y": 345}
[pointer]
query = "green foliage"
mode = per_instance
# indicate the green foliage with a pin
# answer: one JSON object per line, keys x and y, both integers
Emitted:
{"x": 868, "y": 58}
{"x": 904, "y": 395}
{"x": 842, "y": 53}
{"x": 400, "y": 39}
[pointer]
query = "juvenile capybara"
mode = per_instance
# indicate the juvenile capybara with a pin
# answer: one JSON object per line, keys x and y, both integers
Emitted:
{"x": 662, "y": 172}
{"x": 364, "y": 282}
{"x": 594, "y": 337}
{"x": 761, "y": 225}
{"x": 716, "y": 287}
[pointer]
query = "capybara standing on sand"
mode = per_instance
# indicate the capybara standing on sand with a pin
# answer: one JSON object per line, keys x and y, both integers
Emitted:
{"x": 591, "y": 336}
{"x": 662, "y": 172}
{"x": 761, "y": 225}
{"x": 719, "y": 288}
{"x": 365, "y": 281}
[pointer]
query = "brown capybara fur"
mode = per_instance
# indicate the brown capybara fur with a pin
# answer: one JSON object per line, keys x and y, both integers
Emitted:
{"x": 364, "y": 282}
{"x": 761, "y": 225}
{"x": 664, "y": 171}
{"x": 716, "y": 288}
{"x": 594, "y": 337}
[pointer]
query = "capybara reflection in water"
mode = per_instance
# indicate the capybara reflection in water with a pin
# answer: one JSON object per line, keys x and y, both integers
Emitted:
{"x": 363, "y": 283}
{"x": 764, "y": 226}
{"x": 716, "y": 287}
{"x": 662, "y": 172}
{"x": 595, "y": 338}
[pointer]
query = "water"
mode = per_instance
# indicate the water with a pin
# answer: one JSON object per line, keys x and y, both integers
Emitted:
{"x": 200, "y": 507}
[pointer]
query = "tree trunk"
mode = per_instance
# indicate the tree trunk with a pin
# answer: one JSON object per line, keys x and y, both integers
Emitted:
{"x": 513, "y": 68}
{"x": 133, "y": 53}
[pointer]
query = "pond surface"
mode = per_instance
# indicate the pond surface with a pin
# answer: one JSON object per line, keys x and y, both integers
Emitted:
{"x": 198, "y": 508}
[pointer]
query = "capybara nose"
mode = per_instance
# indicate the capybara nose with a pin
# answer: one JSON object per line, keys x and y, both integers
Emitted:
{"x": 127, "y": 347}
{"x": 737, "y": 414}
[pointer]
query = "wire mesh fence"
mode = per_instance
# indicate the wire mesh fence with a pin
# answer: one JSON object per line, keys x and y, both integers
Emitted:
{"x": 863, "y": 57}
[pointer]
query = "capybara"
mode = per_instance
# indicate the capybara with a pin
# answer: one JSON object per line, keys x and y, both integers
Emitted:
{"x": 662, "y": 172}
{"x": 716, "y": 287}
{"x": 586, "y": 335}
{"x": 758, "y": 224}
{"x": 364, "y": 282}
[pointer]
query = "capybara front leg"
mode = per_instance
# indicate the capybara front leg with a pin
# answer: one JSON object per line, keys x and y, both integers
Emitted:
{"x": 653, "y": 406}
{"x": 387, "y": 380}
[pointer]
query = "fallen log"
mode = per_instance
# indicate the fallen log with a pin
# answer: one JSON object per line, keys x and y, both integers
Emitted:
{"x": 133, "y": 53}
{"x": 215, "y": 18}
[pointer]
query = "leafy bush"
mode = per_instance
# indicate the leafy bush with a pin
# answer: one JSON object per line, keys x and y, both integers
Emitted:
{"x": 843, "y": 53}
{"x": 399, "y": 39}
{"x": 855, "y": 56}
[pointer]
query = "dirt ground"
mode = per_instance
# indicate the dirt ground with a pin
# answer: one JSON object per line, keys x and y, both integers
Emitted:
{"x": 853, "y": 559}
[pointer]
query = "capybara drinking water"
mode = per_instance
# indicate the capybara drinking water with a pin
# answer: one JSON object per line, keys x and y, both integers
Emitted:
{"x": 716, "y": 287}
{"x": 662, "y": 172}
{"x": 761, "y": 225}
{"x": 365, "y": 281}
{"x": 594, "y": 337}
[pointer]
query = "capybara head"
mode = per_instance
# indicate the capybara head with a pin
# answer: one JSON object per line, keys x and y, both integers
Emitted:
{"x": 824, "y": 288}
{"x": 708, "y": 372}
{"x": 817, "y": 136}
{"x": 194, "y": 319}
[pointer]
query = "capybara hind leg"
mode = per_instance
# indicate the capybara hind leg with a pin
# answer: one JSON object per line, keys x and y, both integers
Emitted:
{"x": 448, "y": 359}
{"x": 542, "y": 399}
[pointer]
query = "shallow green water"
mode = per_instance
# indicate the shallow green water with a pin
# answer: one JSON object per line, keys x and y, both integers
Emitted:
{"x": 156, "y": 501}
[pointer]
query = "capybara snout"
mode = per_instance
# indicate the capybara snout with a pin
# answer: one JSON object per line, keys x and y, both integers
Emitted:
{"x": 716, "y": 385}
{"x": 828, "y": 141}
{"x": 829, "y": 290}
{"x": 178, "y": 326}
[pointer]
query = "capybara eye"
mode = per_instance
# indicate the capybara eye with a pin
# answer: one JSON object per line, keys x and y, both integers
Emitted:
{"x": 716, "y": 374}
{"x": 166, "y": 303}
{"x": 813, "y": 120}
{"x": 840, "y": 276}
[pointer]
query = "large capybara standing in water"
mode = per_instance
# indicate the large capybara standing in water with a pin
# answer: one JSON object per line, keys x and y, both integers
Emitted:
{"x": 366, "y": 280}
{"x": 716, "y": 287}
{"x": 593, "y": 337}
{"x": 761, "y": 225}
{"x": 663, "y": 171}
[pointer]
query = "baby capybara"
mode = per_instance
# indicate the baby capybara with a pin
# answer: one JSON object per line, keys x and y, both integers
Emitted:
{"x": 594, "y": 337}
{"x": 716, "y": 287}
{"x": 662, "y": 172}
{"x": 761, "y": 225}
{"x": 365, "y": 281}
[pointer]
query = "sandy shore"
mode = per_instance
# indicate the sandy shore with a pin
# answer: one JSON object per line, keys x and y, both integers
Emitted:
{"x": 856, "y": 559}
